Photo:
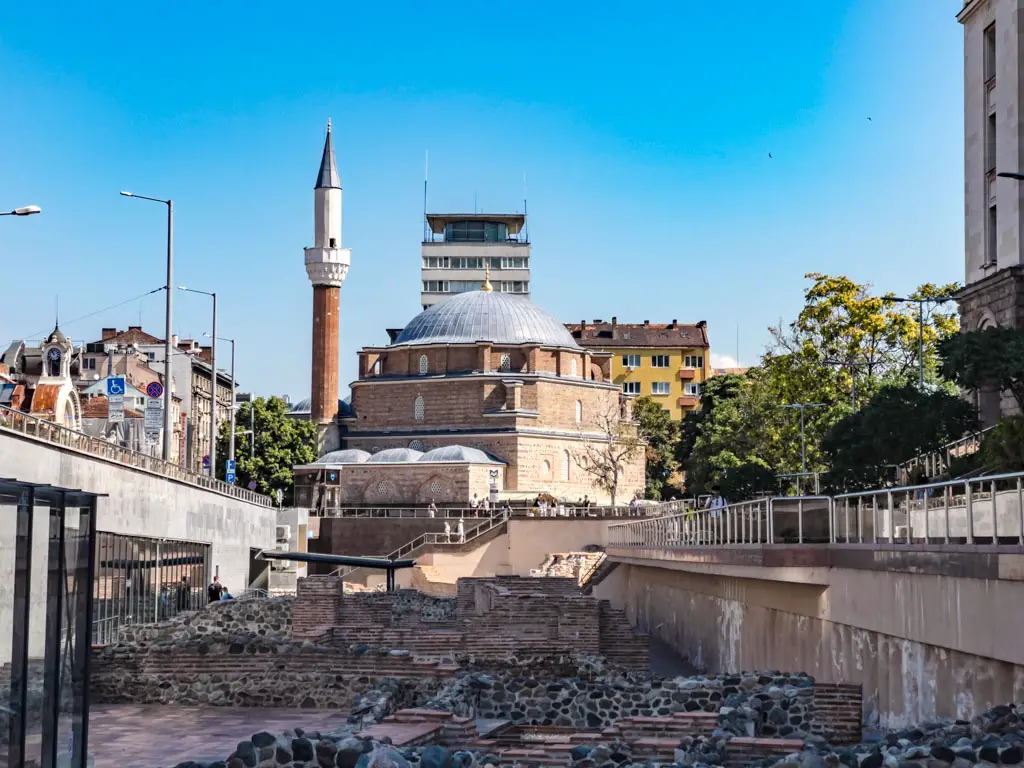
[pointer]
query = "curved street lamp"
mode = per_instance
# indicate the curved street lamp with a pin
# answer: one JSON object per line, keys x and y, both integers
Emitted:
{"x": 25, "y": 210}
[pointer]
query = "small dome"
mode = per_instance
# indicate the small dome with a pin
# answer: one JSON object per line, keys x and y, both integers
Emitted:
{"x": 303, "y": 406}
{"x": 500, "y": 318}
{"x": 57, "y": 337}
{"x": 347, "y": 456}
{"x": 394, "y": 456}
{"x": 458, "y": 453}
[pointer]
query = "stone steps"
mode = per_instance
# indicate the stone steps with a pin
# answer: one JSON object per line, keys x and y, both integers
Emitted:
{"x": 742, "y": 751}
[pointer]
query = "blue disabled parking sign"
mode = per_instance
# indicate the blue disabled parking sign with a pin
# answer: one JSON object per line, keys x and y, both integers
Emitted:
{"x": 229, "y": 477}
{"x": 115, "y": 385}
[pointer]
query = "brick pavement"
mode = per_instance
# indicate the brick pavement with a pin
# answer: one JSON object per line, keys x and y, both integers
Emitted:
{"x": 160, "y": 736}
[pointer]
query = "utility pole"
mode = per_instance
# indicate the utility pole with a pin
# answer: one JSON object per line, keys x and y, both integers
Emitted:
{"x": 803, "y": 437}
{"x": 920, "y": 328}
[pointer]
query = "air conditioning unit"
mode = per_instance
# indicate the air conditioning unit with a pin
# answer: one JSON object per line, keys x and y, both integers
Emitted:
{"x": 284, "y": 533}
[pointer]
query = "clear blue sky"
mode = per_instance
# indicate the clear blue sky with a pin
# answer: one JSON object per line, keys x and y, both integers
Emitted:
{"x": 644, "y": 132}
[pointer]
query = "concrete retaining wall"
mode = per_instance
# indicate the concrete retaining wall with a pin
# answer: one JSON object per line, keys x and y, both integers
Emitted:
{"x": 138, "y": 503}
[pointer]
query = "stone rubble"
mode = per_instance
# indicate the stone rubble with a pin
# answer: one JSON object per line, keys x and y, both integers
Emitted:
{"x": 995, "y": 738}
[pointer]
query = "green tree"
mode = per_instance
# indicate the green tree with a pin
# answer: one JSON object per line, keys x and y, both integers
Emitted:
{"x": 895, "y": 425}
{"x": 281, "y": 443}
{"x": 660, "y": 432}
{"x": 993, "y": 357}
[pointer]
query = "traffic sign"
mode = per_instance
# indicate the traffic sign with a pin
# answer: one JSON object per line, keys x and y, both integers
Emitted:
{"x": 154, "y": 419}
{"x": 206, "y": 461}
{"x": 115, "y": 409}
{"x": 229, "y": 477}
{"x": 231, "y": 465}
{"x": 115, "y": 385}
{"x": 155, "y": 389}
{"x": 252, "y": 485}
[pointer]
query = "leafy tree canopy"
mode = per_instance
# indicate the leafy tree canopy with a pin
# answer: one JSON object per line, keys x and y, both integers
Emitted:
{"x": 660, "y": 431}
{"x": 993, "y": 357}
{"x": 897, "y": 424}
{"x": 281, "y": 443}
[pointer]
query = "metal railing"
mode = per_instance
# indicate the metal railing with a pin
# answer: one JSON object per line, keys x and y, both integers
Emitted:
{"x": 938, "y": 462}
{"x": 975, "y": 511}
{"x": 454, "y": 513}
{"x": 56, "y": 434}
{"x": 500, "y": 517}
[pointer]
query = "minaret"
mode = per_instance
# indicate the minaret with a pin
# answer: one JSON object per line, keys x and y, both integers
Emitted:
{"x": 326, "y": 265}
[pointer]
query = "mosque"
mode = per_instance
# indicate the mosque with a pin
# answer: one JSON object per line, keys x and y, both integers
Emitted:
{"x": 482, "y": 394}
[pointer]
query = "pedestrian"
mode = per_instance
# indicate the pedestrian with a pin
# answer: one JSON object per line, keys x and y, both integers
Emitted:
{"x": 214, "y": 591}
{"x": 447, "y": 531}
{"x": 184, "y": 593}
{"x": 474, "y": 503}
{"x": 225, "y": 595}
{"x": 432, "y": 509}
{"x": 487, "y": 505}
{"x": 462, "y": 531}
{"x": 507, "y": 508}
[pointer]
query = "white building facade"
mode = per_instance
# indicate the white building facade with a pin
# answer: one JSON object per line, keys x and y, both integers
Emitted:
{"x": 461, "y": 248}
{"x": 993, "y": 293}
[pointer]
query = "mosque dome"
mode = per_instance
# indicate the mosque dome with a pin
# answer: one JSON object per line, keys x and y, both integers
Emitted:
{"x": 394, "y": 456}
{"x": 458, "y": 454}
{"x": 499, "y": 318}
{"x": 346, "y": 456}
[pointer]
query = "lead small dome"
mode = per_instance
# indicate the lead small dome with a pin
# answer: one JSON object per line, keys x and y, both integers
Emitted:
{"x": 345, "y": 456}
{"x": 499, "y": 318}
{"x": 457, "y": 453}
{"x": 394, "y": 456}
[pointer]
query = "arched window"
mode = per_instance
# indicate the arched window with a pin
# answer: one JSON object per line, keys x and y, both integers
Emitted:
{"x": 579, "y": 411}
{"x": 417, "y": 408}
{"x": 506, "y": 362}
{"x": 376, "y": 367}
{"x": 565, "y": 466}
{"x": 416, "y": 445}
{"x": 545, "y": 468}
{"x": 573, "y": 368}
{"x": 424, "y": 364}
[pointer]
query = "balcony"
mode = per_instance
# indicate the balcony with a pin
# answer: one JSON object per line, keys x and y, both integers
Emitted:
{"x": 688, "y": 401}
{"x": 687, "y": 374}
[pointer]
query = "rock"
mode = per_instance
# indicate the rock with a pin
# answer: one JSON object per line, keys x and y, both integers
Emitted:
{"x": 263, "y": 739}
{"x": 245, "y": 752}
{"x": 1011, "y": 756}
{"x": 811, "y": 759}
{"x": 945, "y": 754}
{"x": 580, "y": 751}
{"x": 325, "y": 751}
{"x": 302, "y": 750}
{"x": 961, "y": 762}
{"x": 435, "y": 757}
{"x": 874, "y": 760}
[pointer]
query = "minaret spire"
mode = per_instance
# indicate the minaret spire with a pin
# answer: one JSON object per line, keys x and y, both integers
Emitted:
{"x": 328, "y": 177}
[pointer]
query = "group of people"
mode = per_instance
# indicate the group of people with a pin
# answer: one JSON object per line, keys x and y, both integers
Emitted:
{"x": 217, "y": 591}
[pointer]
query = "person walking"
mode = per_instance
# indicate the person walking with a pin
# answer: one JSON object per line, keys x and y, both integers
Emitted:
{"x": 215, "y": 590}
{"x": 447, "y": 532}
{"x": 462, "y": 531}
{"x": 184, "y": 593}
{"x": 432, "y": 509}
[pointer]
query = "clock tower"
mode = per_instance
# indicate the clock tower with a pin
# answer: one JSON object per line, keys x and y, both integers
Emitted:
{"x": 326, "y": 265}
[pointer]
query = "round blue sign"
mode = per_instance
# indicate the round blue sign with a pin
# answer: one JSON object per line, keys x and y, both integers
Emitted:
{"x": 154, "y": 389}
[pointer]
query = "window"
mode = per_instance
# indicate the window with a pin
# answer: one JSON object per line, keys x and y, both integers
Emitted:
{"x": 376, "y": 367}
{"x": 691, "y": 389}
{"x": 151, "y": 355}
{"x": 418, "y": 408}
{"x": 435, "y": 487}
{"x": 990, "y": 143}
{"x": 990, "y": 52}
{"x": 659, "y": 361}
{"x": 435, "y": 262}
{"x": 511, "y": 262}
{"x": 579, "y": 411}
{"x": 574, "y": 369}
{"x": 435, "y": 286}
{"x": 565, "y": 466}
{"x": 475, "y": 232}
{"x": 506, "y": 362}
{"x": 514, "y": 286}
{"x": 693, "y": 361}
{"x": 631, "y": 361}
{"x": 90, "y": 364}
{"x": 545, "y": 468}
{"x": 416, "y": 445}
{"x": 991, "y": 237}
{"x": 659, "y": 387}
{"x": 631, "y": 387}
{"x": 424, "y": 365}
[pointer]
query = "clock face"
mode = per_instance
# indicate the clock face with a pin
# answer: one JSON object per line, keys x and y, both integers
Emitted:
{"x": 53, "y": 354}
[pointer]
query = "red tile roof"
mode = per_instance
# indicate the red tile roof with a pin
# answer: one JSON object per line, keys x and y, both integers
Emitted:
{"x": 99, "y": 408}
{"x": 655, "y": 335}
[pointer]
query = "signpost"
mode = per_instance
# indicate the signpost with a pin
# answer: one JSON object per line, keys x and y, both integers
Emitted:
{"x": 115, "y": 399}
{"x": 154, "y": 410}
{"x": 229, "y": 474}
{"x": 206, "y": 463}
{"x": 155, "y": 390}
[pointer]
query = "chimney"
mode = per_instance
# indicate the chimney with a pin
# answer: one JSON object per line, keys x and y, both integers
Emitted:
{"x": 674, "y": 321}
{"x": 702, "y": 323}
{"x": 174, "y": 341}
{"x": 135, "y": 328}
{"x": 109, "y": 333}
{"x": 583, "y": 327}
{"x": 598, "y": 321}
{"x": 646, "y": 323}
{"x": 615, "y": 325}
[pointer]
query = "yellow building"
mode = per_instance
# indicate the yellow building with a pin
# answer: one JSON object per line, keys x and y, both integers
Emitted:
{"x": 668, "y": 362}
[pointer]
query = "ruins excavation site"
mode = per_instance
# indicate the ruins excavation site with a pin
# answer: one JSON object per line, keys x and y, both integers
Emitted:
{"x": 510, "y": 672}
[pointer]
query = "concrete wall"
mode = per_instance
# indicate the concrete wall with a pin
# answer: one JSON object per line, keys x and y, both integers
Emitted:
{"x": 139, "y": 504}
{"x": 923, "y": 645}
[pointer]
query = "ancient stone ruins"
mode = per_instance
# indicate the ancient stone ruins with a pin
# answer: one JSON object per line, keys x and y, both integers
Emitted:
{"x": 510, "y": 672}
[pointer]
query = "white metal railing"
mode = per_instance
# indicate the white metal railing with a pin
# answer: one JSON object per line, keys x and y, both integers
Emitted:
{"x": 938, "y": 462}
{"x": 56, "y": 434}
{"x": 497, "y": 518}
{"x": 978, "y": 511}
{"x": 454, "y": 513}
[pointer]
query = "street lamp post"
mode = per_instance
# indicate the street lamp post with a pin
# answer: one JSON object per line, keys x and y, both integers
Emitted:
{"x": 213, "y": 381}
{"x": 234, "y": 401}
{"x": 167, "y": 318}
{"x": 25, "y": 210}
{"x": 920, "y": 328}
{"x": 803, "y": 438}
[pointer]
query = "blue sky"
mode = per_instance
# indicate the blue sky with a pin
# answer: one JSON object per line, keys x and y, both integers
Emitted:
{"x": 644, "y": 137}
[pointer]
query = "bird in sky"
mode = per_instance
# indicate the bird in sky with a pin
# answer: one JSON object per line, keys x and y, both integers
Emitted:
{"x": 869, "y": 120}
{"x": 769, "y": 154}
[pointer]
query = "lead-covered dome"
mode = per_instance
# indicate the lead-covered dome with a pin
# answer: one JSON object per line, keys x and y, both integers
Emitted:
{"x": 499, "y": 318}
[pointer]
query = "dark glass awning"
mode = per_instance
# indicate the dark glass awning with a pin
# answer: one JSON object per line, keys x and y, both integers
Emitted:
{"x": 378, "y": 563}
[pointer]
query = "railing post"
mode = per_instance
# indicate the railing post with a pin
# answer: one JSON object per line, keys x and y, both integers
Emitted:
{"x": 892, "y": 516}
{"x": 1020, "y": 513}
{"x": 800, "y": 521}
{"x": 831, "y": 521}
{"x": 969, "y": 509}
{"x": 946, "y": 493}
{"x": 995, "y": 515}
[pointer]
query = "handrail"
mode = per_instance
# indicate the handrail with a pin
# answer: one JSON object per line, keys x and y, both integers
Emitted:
{"x": 497, "y": 518}
{"x": 587, "y": 575}
{"x": 940, "y": 459}
{"x": 452, "y": 513}
{"x": 984, "y": 511}
{"x": 57, "y": 434}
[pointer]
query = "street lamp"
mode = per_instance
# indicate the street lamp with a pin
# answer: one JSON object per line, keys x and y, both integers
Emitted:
{"x": 167, "y": 318}
{"x": 213, "y": 380}
{"x": 234, "y": 403}
{"x": 803, "y": 439}
{"x": 25, "y": 210}
{"x": 920, "y": 326}
{"x": 1015, "y": 176}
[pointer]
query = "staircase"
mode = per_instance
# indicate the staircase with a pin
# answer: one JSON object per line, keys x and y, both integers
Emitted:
{"x": 596, "y": 575}
{"x": 620, "y": 643}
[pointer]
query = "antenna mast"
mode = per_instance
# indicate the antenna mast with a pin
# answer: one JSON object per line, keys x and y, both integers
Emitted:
{"x": 426, "y": 167}
{"x": 526, "y": 218}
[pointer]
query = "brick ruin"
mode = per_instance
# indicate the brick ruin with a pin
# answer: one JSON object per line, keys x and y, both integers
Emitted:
{"x": 548, "y": 668}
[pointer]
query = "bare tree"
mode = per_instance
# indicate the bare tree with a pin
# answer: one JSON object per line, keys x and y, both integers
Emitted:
{"x": 605, "y": 458}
